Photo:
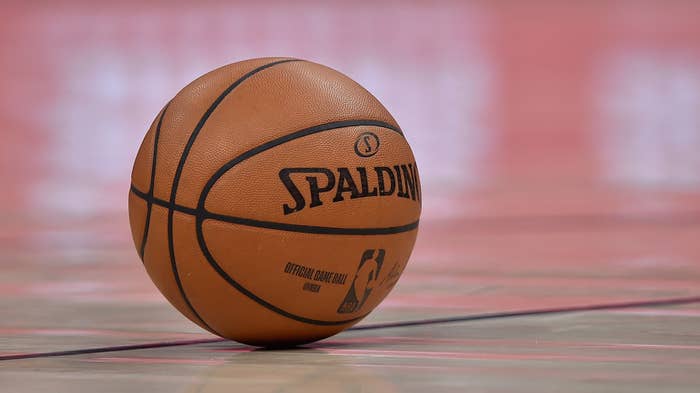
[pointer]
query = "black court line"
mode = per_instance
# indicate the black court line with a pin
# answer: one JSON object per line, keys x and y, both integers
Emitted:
{"x": 376, "y": 326}
{"x": 116, "y": 348}
{"x": 535, "y": 312}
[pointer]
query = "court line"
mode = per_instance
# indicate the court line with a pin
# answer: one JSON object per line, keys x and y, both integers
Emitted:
{"x": 115, "y": 348}
{"x": 574, "y": 222}
{"x": 525, "y": 313}
{"x": 376, "y": 326}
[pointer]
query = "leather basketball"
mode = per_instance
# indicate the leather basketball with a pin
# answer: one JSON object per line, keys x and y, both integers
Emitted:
{"x": 274, "y": 201}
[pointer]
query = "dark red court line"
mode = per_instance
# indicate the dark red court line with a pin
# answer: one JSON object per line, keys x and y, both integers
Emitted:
{"x": 573, "y": 222}
{"x": 523, "y": 313}
{"x": 115, "y": 348}
{"x": 421, "y": 322}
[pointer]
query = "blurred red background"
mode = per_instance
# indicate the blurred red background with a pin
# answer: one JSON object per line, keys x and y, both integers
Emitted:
{"x": 515, "y": 110}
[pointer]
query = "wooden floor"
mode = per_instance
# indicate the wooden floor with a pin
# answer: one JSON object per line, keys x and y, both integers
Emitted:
{"x": 65, "y": 298}
{"x": 559, "y": 248}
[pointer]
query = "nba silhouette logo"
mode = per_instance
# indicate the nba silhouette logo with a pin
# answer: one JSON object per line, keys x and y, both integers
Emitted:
{"x": 365, "y": 280}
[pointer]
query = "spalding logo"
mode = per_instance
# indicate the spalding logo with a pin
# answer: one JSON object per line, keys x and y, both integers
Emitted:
{"x": 367, "y": 144}
{"x": 381, "y": 181}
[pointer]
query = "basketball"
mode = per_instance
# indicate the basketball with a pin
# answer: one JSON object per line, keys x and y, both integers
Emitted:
{"x": 274, "y": 202}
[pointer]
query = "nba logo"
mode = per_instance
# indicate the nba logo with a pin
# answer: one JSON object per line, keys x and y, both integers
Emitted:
{"x": 365, "y": 280}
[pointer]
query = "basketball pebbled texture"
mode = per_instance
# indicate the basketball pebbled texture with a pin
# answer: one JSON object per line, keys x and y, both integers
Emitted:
{"x": 274, "y": 202}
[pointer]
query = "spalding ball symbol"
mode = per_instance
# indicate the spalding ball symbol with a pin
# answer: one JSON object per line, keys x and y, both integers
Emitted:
{"x": 367, "y": 144}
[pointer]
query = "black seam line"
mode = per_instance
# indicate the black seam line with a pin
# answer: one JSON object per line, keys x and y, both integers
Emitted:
{"x": 289, "y": 227}
{"x": 312, "y": 228}
{"x": 486, "y": 223}
{"x": 377, "y": 326}
{"x": 276, "y": 225}
{"x": 164, "y": 203}
{"x": 149, "y": 201}
{"x": 178, "y": 174}
{"x": 256, "y": 298}
{"x": 284, "y": 139}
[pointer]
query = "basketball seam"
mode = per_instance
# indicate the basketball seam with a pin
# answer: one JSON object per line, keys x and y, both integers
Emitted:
{"x": 284, "y": 139}
{"x": 202, "y": 214}
{"x": 149, "y": 201}
{"x": 248, "y": 154}
{"x": 200, "y": 210}
{"x": 313, "y": 229}
{"x": 178, "y": 174}
{"x": 252, "y": 296}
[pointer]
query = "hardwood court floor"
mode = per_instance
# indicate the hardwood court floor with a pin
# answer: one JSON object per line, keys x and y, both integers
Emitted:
{"x": 557, "y": 145}
{"x": 71, "y": 298}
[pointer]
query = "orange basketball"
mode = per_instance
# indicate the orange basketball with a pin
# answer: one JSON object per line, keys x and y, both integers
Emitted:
{"x": 274, "y": 202}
